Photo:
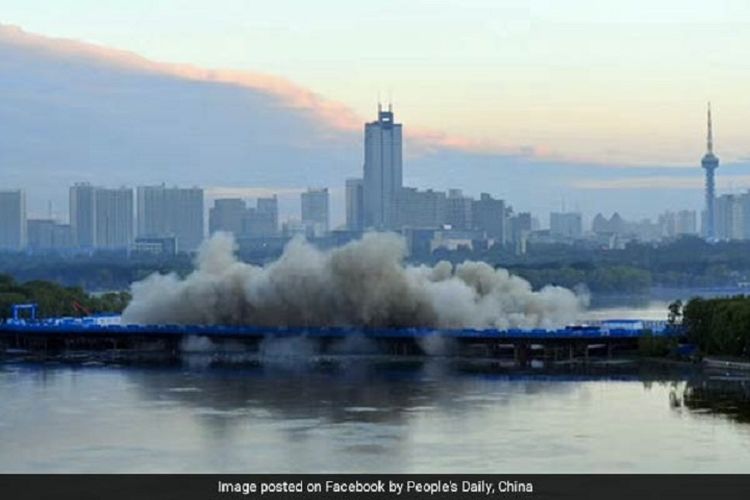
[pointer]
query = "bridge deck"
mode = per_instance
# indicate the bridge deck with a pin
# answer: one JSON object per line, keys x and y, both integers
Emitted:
{"x": 80, "y": 328}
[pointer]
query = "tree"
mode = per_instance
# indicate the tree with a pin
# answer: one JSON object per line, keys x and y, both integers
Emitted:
{"x": 675, "y": 312}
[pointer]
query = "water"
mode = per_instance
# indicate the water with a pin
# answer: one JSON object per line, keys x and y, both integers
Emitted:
{"x": 367, "y": 415}
{"x": 371, "y": 414}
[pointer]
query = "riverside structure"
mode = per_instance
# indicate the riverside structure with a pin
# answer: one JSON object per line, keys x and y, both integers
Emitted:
{"x": 106, "y": 332}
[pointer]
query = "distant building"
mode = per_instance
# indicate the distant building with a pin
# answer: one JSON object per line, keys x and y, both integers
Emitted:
{"x": 12, "y": 220}
{"x": 521, "y": 226}
{"x": 292, "y": 227}
{"x": 675, "y": 224}
{"x": 458, "y": 211}
{"x": 232, "y": 215}
{"x": 161, "y": 247}
{"x": 227, "y": 215}
{"x": 453, "y": 240}
{"x": 355, "y": 204}
{"x": 174, "y": 211}
{"x": 419, "y": 241}
{"x": 614, "y": 225}
{"x": 40, "y": 234}
{"x": 268, "y": 216}
{"x": 728, "y": 223}
{"x": 383, "y": 175}
{"x": 113, "y": 218}
{"x": 489, "y": 215}
{"x": 419, "y": 209}
{"x": 82, "y": 204}
{"x": 47, "y": 234}
{"x": 315, "y": 210}
{"x": 566, "y": 225}
{"x": 745, "y": 204}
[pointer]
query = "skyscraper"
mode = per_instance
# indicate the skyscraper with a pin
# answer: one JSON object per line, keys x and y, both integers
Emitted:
{"x": 12, "y": 220}
{"x": 227, "y": 215}
{"x": 113, "y": 218}
{"x": 728, "y": 223}
{"x": 355, "y": 204}
{"x": 267, "y": 216}
{"x": 458, "y": 210}
{"x": 710, "y": 163}
{"x": 315, "y": 210}
{"x": 382, "y": 170}
{"x": 82, "y": 203}
{"x": 489, "y": 215}
{"x": 177, "y": 212}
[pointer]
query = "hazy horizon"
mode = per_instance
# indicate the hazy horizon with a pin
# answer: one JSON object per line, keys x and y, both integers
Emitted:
{"x": 84, "y": 110}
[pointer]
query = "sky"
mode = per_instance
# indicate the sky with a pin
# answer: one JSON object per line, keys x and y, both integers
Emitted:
{"x": 606, "y": 82}
{"x": 605, "y": 101}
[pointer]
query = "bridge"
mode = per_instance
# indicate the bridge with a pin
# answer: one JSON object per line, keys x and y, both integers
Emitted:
{"x": 108, "y": 333}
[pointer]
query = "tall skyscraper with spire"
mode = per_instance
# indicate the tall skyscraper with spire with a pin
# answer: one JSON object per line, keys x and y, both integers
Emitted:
{"x": 710, "y": 163}
{"x": 382, "y": 170}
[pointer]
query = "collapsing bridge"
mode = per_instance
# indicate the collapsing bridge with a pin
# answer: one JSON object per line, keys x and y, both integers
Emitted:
{"x": 97, "y": 333}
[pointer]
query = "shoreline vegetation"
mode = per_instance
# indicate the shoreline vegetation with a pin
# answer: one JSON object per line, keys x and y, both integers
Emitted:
{"x": 53, "y": 299}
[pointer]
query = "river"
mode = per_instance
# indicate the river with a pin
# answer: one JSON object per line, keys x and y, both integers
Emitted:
{"x": 368, "y": 414}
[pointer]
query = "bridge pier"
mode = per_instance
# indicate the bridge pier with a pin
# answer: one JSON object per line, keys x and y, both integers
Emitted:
{"x": 521, "y": 353}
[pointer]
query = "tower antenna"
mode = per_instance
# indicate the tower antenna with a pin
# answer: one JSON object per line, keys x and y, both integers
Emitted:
{"x": 709, "y": 135}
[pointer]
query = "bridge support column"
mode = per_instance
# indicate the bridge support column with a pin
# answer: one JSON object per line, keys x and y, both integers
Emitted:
{"x": 521, "y": 353}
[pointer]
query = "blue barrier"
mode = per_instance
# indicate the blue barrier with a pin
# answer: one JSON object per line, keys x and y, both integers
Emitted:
{"x": 89, "y": 325}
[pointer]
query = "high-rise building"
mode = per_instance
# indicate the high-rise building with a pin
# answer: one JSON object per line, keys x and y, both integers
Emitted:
{"x": 710, "y": 163}
{"x": 174, "y": 211}
{"x": 745, "y": 206}
{"x": 566, "y": 225}
{"x": 419, "y": 209}
{"x": 267, "y": 216}
{"x": 383, "y": 175}
{"x": 674, "y": 224}
{"x": 521, "y": 225}
{"x": 82, "y": 205}
{"x": 227, "y": 215}
{"x": 490, "y": 215}
{"x": 315, "y": 210}
{"x": 12, "y": 220}
{"x": 458, "y": 210}
{"x": 234, "y": 216}
{"x": 355, "y": 204}
{"x": 113, "y": 218}
{"x": 728, "y": 218}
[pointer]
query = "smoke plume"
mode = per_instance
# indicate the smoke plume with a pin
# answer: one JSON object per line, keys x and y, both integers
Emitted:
{"x": 364, "y": 284}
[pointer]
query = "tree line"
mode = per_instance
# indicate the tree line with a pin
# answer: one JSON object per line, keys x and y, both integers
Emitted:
{"x": 53, "y": 299}
{"x": 719, "y": 326}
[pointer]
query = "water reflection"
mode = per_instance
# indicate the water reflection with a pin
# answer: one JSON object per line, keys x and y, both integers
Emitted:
{"x": 725, "y": 395}
{"x": 366, "y": 414}
{"x": 346, "y": 389}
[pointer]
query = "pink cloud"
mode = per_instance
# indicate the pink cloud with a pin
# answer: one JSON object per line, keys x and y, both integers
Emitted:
{"x": 336, "y": 115}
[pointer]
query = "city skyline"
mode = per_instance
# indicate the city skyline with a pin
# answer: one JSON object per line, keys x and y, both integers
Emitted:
{"x": 103, "y": 218}
{"x": 210, "y": 141}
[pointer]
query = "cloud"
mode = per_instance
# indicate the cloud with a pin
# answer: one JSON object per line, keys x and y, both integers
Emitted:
{"x": 336, "y": 115}
{"x": 216, "y": 192}
{"x": 662, "y": 182}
